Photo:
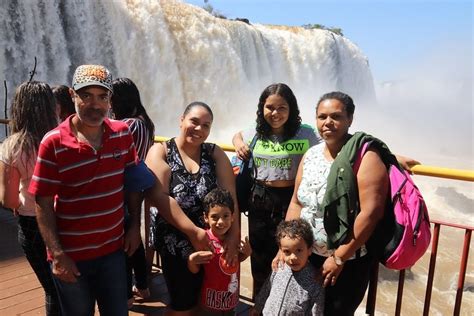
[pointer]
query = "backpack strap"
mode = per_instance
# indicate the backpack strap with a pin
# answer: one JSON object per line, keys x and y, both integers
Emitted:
{"x": 253, "y": 142}
{"x": 355, "y": 167}
{"x": 360, "y": 153}
{"x": 250, "y": 161}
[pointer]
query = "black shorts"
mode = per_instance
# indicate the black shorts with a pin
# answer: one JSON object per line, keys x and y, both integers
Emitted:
{"x": 183, "y": 286}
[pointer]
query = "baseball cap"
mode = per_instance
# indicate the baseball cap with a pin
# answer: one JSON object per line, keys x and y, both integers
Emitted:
{"x": 92, "y": 75}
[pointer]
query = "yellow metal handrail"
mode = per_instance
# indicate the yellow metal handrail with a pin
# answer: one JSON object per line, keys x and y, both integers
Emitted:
{"x": 224, "y": 147}
{"x": 431, "y": 171}
{"x": 456, "y": 174}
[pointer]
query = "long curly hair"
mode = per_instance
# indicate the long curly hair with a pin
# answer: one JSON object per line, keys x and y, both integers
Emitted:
{"x": 291, "y": 126}
{"x": 126, "y": 103}
{"x": 32, "y": 115}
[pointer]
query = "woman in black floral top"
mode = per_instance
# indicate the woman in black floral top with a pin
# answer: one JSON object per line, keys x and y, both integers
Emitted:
{"x": 189, "y": 168}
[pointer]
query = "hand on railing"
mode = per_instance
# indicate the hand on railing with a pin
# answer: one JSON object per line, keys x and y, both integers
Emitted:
{"x": 406, "y": 162}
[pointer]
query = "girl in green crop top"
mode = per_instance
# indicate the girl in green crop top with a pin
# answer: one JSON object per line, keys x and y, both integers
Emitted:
{"x": 281, "y": 142}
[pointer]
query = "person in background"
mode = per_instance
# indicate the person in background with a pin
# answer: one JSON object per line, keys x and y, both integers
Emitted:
{"x": 32, "y": 116}
{"x": 78, "y": 184}
{"x": 341, "y": 226}
{"x": 281, "y": 142}
{"x": 64, "y": 104}
{"x": 220, "y": 288}
{"x": 188, "y": 168}
{"x": 292, "y": 289}
{"x": 127, "y": 107}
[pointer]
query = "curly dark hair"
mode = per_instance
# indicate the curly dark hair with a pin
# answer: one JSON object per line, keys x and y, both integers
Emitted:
{"x": 264, "y": 130}
{"x": 126, "y": 103}
{"x": 341, "y": 97}
{"x": 296, "y": 228}
{"x": 33, "y": 114}
{"x": 218, "y": 197}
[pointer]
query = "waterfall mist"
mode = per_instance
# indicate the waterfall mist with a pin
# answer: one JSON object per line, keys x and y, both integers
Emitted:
{"x": 428, "y": 112}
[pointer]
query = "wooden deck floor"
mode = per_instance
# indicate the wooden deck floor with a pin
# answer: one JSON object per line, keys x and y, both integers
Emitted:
{"x": 21, "y": 293}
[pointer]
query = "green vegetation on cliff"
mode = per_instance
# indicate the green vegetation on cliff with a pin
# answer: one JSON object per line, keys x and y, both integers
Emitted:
{"x": 211, "y": 10}
{"x": 335, "y": 30}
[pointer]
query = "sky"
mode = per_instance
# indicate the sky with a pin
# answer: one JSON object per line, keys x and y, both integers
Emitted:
{"x": 392, "y": 34}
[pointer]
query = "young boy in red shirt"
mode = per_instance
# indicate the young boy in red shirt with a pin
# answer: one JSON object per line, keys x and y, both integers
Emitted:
{"x": 220, "y": 287}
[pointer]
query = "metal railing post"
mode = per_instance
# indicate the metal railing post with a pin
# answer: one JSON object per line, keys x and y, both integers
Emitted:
{"x": 401, "y": 283}
{"x": 462, "y": 272}
{"x": 372, "y": 293}
{"x": 429, "y": 283}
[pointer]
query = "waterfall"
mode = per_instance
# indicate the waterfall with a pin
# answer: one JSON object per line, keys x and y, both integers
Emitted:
{"x": 177, "y": 53}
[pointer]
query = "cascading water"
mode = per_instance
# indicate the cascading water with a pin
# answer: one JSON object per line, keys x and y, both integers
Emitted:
{"x": 177, "y": 53}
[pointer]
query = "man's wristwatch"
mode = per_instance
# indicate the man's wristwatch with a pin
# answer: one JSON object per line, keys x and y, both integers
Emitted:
{"x": 338, "y": 260}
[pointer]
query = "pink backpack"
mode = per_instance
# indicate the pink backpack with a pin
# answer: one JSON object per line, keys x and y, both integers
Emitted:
{"x": 404, "y": 234}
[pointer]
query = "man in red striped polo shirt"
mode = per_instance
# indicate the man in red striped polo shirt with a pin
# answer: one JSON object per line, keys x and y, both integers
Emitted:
{"x": 78, "y": 182}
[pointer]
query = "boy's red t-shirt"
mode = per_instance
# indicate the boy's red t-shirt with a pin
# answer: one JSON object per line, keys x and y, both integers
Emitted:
{"x": 220, "y": 287}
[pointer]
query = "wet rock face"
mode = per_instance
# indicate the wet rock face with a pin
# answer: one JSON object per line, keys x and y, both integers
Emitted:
{"x": 245, "y": 20}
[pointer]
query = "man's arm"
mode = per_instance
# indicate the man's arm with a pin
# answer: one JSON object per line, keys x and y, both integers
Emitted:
{"x": 64, "y": 267}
